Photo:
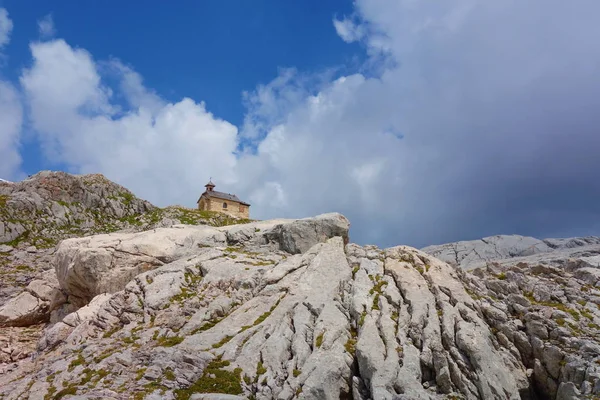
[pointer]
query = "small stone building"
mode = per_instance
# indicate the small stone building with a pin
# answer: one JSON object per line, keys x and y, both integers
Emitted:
{"x": 226, "y": 203}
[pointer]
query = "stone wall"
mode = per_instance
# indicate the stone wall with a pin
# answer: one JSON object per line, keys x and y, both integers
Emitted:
{"x": 234, "y": 209}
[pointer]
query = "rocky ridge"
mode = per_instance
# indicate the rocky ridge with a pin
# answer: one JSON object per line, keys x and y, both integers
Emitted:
{"x": 287, "y": 309}
{"x": 476, "y": 253}
{"x": 39, "y": 212}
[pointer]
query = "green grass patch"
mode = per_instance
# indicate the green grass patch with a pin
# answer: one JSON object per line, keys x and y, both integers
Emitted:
{"x": 260, "y": 369}
{"x": 214, "y": 379}
{"x": 169, "y": 374}
{"x": 587, "y": 314}
{"x": 71, "y": 390}
{"x": 76, "y": 362}
{"x": 111, "y": 332}
{"x": 222, "y": 342}
{"x": 164, "y": 341}
{"x": 363, "y": 315}
{"x": 319, "y": 340}
{"x": 375, "y": 305}
{"x": 140, "y": 373}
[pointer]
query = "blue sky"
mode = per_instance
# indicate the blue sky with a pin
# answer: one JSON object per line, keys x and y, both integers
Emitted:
{"x": 423, "y": 122}
{"x": 209, "y": 50}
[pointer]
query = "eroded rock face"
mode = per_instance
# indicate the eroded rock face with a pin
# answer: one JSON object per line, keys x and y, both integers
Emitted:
{"x": 286, "y": 309}
{"x": 334, "y": 321}
{"x": 99, "y": 264}
{"x": 89, "y": 266}
{"x": 53, "y": 205}
{"x": 33, "y": 305}
{"x": 39, "y": 212}
{"x": 476, "y": 253}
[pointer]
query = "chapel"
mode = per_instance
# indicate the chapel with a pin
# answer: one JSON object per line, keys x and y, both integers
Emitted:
{"x": 230, "y": 204}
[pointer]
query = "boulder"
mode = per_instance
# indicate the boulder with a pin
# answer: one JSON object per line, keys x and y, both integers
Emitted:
{"x": 300, "y": 235}
{"x": 35, "y": 304}
{"x": 99, "y": 264}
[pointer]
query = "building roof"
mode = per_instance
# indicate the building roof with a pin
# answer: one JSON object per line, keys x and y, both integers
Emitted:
{"x": 224, "y": 196}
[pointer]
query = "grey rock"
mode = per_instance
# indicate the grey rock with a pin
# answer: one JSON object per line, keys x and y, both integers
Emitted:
{"x": 300, "y": 235}
{"x": 567, "y": 391}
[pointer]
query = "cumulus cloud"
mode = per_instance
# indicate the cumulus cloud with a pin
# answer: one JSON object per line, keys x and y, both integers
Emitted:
{"x": 495, "y": 103}
{"x": 6, "y": 26}
{"x": 163, "y": 151}
{"x": 46, "y": 26}
{"x": 11, "y": 115}
{"x": 348, "y": 30}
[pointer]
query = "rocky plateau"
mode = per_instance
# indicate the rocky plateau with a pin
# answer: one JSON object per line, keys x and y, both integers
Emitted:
{"x": 106, "y": 296}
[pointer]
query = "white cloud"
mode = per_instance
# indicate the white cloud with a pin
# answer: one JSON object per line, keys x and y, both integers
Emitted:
{"x": 164, "y": 152}
{"x": 348, "y": 30}
{"x": 46, "y": 27}
{"x": 6, "y": 26}
{"x": 11, "y": 115}
{"x": 487, "y": 96}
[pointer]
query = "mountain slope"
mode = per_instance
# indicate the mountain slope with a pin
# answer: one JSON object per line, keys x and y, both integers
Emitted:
{"x": 476, "y": 253}
{"x": 39, "y": 212}
{"x": 289, "y": 309}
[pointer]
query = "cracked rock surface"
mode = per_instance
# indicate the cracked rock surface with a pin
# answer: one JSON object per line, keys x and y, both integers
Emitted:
{"x": 477, "y": 253}
{"x": 181, "y": 305}
{"x": 287, "y": 309}
{"x": 39, "y": 212}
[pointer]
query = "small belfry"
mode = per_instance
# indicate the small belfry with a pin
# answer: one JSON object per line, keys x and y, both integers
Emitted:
{"x": 226, "y": 203}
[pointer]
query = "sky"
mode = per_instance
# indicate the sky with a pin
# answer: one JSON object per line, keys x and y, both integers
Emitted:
{"x": 422, "y": 121}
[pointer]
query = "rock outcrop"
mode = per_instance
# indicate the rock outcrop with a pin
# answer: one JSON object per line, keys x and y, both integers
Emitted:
{"x": 52, "y": 205}
{"x": 289, "y": 309}
{"x": 39, "y": 212}
{"x": 253, "y": 320}
{"x": 476, "y": 253}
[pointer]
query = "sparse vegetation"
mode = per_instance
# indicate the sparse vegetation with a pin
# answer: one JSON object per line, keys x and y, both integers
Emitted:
{"x": 363, "y": 315}
{"x": 223, "y": 341}
{"x": 140, "y": 374}
{"x": 263, "y": 316}
{"x": 169, "y": 374}
{"x": 71, "y": 390}
{"x": 77, "y": 361}
{"x": 111, "y": 332}
{"x": 260, "y": 369}
{"x": 375, "y": 305}
{"x": 164, "y": 341}
{"x": 587, "y": 315}
{"x": 206, "y": 326}
{"x": 350, "y": 345}
{"x": 319, "y": 340}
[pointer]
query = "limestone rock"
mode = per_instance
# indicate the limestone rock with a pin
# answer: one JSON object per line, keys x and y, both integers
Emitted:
{"x": 283, "y": 309}
{"x": 99, "y": 264}
{"x": 35, "y": 304}
{"x": 477, "y": 253}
